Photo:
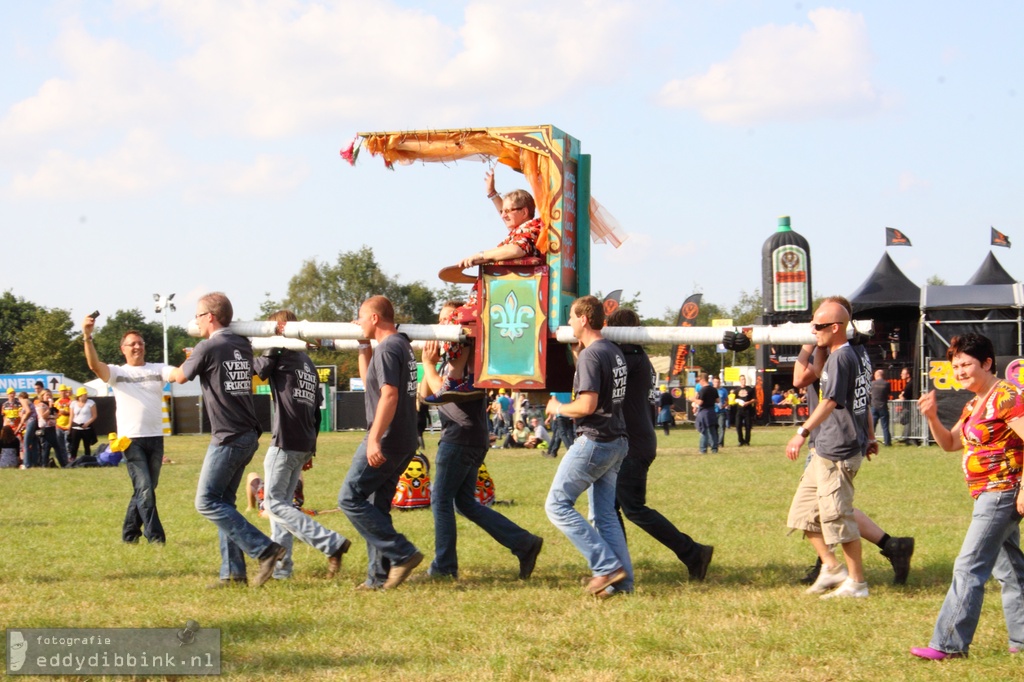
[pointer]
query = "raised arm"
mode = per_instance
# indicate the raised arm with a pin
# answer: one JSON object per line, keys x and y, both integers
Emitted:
{"x": 98, "y": 368}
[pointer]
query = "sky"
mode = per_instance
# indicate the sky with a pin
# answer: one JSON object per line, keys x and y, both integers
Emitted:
{"x": 173, "y": 146}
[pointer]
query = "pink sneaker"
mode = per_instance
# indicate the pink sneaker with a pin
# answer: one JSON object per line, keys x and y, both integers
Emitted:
{"x": 934, "y": 654}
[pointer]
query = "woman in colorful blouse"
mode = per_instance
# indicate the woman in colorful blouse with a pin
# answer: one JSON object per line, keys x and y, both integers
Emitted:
{"x": 990, "y": 432}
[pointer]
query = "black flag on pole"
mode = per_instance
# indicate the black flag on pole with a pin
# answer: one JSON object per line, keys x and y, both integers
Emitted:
{"x": 687, "y": 316}
{"x": 894, "y": 237}
{"x": 999, "y": 239}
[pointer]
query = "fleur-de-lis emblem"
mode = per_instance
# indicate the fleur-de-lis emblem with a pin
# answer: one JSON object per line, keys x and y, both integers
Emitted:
{"x": 511, "y": 317}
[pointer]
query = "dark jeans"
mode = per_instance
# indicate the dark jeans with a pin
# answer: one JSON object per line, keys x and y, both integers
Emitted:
{"x": 52, "y": 439}
{"x": 631, "y": 501}
{"x": 144, "y": 458}
{"x": 366, "y": 497}
{"x": 30, "y": 444}
{"x": 881, "y": 416}
{"x": 84, "y": 436}
{"x": 561, "y": 432}
{"x": 454, "y": 490}
{"x": 744, "y": 420}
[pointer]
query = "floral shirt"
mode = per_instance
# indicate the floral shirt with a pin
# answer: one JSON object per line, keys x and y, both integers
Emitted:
{"x": 992, "y": 450}
{"x": 525, "y": 237}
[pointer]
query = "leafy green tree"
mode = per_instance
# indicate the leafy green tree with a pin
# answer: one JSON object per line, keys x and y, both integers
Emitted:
{"x": 333, "y": 292}
{"x": 49, "y": 342}
{"x": 15, "y": 313}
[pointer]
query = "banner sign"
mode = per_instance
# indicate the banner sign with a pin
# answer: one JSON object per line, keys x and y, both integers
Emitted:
{"x": 27, "y": 382}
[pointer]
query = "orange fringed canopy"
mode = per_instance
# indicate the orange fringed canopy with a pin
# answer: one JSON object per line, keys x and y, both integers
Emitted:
{"x": 521, "y": 152}
{"x": 494, "y": 143}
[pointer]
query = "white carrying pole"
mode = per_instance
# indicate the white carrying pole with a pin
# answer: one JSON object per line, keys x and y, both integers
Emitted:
{"x": 346, "y": 334}
{"x": 786, "y": 334}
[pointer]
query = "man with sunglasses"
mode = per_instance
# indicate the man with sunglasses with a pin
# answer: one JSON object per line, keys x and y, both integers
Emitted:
{"x": 224, "y": 364}
{"x": 823, "y": 504}
{"x": 519, "y": 213}
{"x": 138, "y": 388}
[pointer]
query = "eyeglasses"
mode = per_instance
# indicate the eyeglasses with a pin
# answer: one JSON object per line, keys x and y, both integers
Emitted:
{"x": 823, "y": 326}
{"x": 134, "y": 343}
{"x": 198, "y": 315}
{"x": 514, "y": 208}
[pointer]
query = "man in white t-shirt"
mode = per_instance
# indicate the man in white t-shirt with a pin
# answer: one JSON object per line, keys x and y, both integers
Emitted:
{"x": 138, "y": 390}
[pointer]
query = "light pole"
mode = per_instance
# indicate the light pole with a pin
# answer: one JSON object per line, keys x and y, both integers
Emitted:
{"x": 162, "y": 304}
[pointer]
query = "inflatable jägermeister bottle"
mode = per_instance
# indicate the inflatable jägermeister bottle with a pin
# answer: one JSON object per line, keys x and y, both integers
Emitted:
{"x": 786, "y": 272}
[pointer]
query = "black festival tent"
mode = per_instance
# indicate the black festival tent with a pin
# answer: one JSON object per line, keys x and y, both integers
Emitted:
{"x": 991, "y": 272}
{"x": 886, "y": 287}
{"x": 889, "y": 298}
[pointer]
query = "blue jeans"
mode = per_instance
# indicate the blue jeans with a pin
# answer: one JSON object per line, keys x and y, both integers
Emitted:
{"x": 219, "y": 478}
{"x": 454, "y": 490}
{"x": 881, "y": 416}
{"x": 707, "y": 424}
{"x": 30, "y": 444}
{"x": 52, "y": 439}
{"x": 991, "y": 548}
{"x": 587, "y": 464}
{"x": 281, "y": 470}
{"x": 561, "y": 432}
{"x": 366, "y": 497}
{"x": 723, "y": 424}
{"x": 144, "y": 458}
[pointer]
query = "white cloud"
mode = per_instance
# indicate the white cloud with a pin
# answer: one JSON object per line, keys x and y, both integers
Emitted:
{"x": 267, "y": 175}
{"x": 786, "y": 73}
{"x": 277, "y": 67}
{"x": 268, "y": 69}
{"x": 140, "y": 163}
{"x": 109, "y": 85}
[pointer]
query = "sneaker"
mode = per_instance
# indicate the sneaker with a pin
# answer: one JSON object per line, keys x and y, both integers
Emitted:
{"x": 399, "y": 572}
{"x": 849, "y": 588}
{"x": 596, "y": 585}
{"x": 828, "y": 578}
{"x": 934, "y": 654}
{"x": 898, "y": 551}
{"x": 268, "y": 561}
{"x": 528, "y": 561}
{"x": 699, "y": 569}
{"x": 812, "y": 574}
{"x": 455, "y": 391}
{"x": 334, "y": 561}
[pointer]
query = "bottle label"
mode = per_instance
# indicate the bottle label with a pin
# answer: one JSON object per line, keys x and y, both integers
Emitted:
{"x": 789, "y": 277}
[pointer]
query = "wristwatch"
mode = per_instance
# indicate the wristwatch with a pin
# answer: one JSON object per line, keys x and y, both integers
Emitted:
{"x": 801, "y": 431}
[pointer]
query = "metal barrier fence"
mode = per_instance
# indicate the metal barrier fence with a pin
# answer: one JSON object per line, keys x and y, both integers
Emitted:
{"x": 906, "y": 423}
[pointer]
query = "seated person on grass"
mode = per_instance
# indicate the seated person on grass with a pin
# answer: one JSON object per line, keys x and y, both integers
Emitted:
{"x": 519, "y": 436}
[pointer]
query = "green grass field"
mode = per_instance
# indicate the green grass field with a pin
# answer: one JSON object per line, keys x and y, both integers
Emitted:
{"x": 64, "y": 566}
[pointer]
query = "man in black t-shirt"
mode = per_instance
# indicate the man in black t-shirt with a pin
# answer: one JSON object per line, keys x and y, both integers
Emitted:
{"x": 223, "y": 363}
{"x": 389, "y": 375}
{"x": 746, "y": 406}
{"x": 631, "y": 485}
{"x": 593, "y": 460}
{"x": 463, "y": 446}
{"x": 707, "y": 422}
{"x": 295, "y": 387}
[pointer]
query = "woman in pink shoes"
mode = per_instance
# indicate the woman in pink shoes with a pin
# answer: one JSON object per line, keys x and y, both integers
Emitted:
{"x": 990, "y": 432}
